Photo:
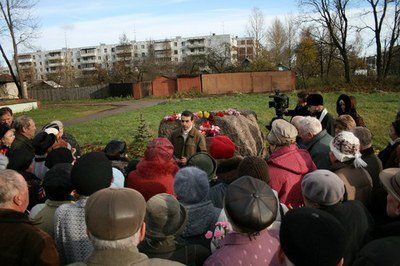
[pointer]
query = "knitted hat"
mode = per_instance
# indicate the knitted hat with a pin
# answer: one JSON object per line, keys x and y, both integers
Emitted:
{"x": 191, "y": 185}
{"x": 282, "y": 133}
{"x": 57, "y": 182}
{"x": 345, "y": 146}
{"x": 3, "y": 162}
{"x": 20, "y": 159}
{"x": 43, "y": 141}
{"x": 205, "y": 162}
{"x": 159, "y": 149}
{"x": 221, "y": 147}
{"x": 59, "y": 155}
{"x": 254, "y": 166}
{"x": 312, "y": 237}
{"x": 323, "y": 187}
{"x": 250, "y": 204}
{"x": 315, "y": 99}
{"x": 390, "y": 178}
{"x": 91, "y": 172}
{"x": 3, "y": 130}
{"x": 165, "y": 216}
{"x": 115, "y": 213}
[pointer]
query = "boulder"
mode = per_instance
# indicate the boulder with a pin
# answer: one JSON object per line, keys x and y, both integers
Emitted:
{"x": 242, "y": 129}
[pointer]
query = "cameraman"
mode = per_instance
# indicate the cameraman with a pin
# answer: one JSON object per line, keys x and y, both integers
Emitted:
{"x": 301, "y": 108}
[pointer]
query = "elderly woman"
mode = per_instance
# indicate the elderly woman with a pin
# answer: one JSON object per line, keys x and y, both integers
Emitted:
{"x": 344, "y": 123}
{"x": 287, "y": 163}
{"x": 7, "y": 137}
{"x": 155, "y": 173}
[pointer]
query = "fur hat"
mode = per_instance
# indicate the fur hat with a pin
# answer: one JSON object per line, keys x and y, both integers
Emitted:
{"x": 221, "y": 147}
{"x": 115, "y": 149}
{"x": 59, "y": 155}
{"x": 312, "y": 237}
{"x": 390, "y": 178}
{"x": 3, "y": 130}
{"x": 165, "y": 216}
{"x": 345, "y": 146}
{"x": 254, "y": 166}
{"x": 114, "y": 213}
{"x": 91, "y": 172}
{"x": 205, "y": 162}
{"x": 20, "y": 159}
{"x": 57, "y": 182}
{"x": 43, "y": 141}
{"x": 159, "y": 149}
{"x": 315, "y": 99}
{"x": 191, "y": 185}
{"x": 323, "y": 187}
{"x": 250, "y": 204}
{"x": 282, "y": 133}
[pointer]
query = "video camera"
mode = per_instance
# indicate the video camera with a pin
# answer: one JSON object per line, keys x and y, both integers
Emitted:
{"x": 280, "y": 102}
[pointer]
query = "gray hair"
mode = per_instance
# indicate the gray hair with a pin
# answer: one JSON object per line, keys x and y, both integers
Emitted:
{"x": 310, "y": 124}
{"x": 364, "y": 135}
{"x": 121, "y": 244}
{"x": 10, "y": 185}
{"x": 21, "y": 122}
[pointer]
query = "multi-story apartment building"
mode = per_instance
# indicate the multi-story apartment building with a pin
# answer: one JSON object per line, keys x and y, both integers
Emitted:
{"x": 39, "y": 65}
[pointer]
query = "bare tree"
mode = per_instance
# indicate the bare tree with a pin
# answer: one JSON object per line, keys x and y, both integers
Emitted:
{"x": 384, "y": 17}
{"x": 219, "y": 58}
{"x": 332, "y": 15}
{"x": 277, "y": 41}
{"x": 256, "y": 28}
{"x": 292, "y": 27}
{"x": 19, "y": 24}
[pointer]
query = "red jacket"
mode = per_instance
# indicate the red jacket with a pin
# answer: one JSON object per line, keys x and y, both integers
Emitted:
{"x": 153, "y": 177}
{"x": 287, "y": 166}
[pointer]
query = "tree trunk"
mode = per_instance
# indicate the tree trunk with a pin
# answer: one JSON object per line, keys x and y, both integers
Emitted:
{"x": 20, "y": 94}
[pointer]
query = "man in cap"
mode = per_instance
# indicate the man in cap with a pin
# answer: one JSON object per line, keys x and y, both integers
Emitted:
{"x": 115, "y": 224}
{"x": 21, "y": 243}
{"x": 287, "y": 163}
{"x": 384, "y": 250}
{"x": 187, "y": 140}
{"x": 316, "y": 141}
{"x": 90, "y": 173}
{"x": 315, "y": 103}
{"x": 324, "y": 190}
{"x": 311, "y": 237}
{"x": 251, "y": 207}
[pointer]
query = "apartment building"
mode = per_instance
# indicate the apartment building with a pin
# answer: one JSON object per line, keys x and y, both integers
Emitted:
{"x": 40, "y": 64}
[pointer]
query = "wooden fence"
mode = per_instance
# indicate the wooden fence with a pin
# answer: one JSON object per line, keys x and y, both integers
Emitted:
{"x": 63, "y": 94}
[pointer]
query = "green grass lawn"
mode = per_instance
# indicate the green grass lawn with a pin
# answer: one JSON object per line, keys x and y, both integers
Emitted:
{"x": 378, "y": 110}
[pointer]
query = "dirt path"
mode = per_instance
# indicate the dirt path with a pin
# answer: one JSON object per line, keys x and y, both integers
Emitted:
{"x": 120, "y": 107}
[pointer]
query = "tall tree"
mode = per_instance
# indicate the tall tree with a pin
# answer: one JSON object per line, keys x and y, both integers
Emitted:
{"x": 306, "y": 56}
{"x": 21, "y": 27}
{"x": 332, "y": 15}
{"x": 277, "y": 41}
{"x": 292, "y": 27}
{"x": 256, "y": 28}
{"x": 386, "y": 14}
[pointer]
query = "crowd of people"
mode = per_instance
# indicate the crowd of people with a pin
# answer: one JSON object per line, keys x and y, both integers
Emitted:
{"x": 322, "y": 196}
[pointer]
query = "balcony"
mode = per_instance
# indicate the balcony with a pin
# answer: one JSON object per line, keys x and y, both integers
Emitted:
{"x": 55, "y": 64}
{"x": 55, "y": 56}
{"x": 195, "y": 45}
{"x": 25, "y": 60}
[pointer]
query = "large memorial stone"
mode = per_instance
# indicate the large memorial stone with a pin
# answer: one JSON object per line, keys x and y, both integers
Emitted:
{"x": 242, "y": 129}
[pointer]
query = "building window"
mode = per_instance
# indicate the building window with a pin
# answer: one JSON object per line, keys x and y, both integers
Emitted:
{"x": 33, "y": 57}
{"x": 112, "y": 49}
{"x": 175, "y": 51}
{"x": 99, "y": 57}
{"x": 79, "y": 60}
{"x": 143, "y": 54}
{"x": 142, "y": 46}
{"x": 175, "y": 44}
{"x": 136, "y": 55}
{"x": 183, "y": 43}
{"x": 105, "y": 50}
